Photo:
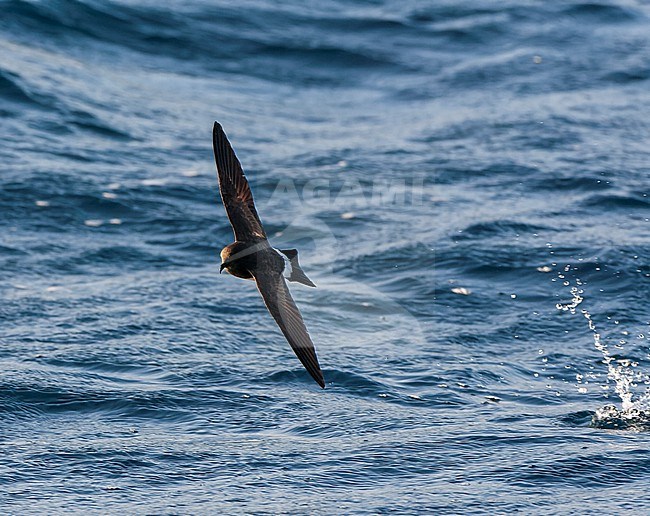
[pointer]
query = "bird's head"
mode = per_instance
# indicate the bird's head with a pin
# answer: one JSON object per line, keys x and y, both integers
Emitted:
{"x": 228, "y": 256}
{"x": 238, "y": 259}
{"x": 225, "y": 254}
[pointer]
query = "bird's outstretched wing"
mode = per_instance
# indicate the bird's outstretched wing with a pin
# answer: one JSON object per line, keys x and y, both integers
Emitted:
{"x": 235, "y": 192}
{"x": 278, "y": 300}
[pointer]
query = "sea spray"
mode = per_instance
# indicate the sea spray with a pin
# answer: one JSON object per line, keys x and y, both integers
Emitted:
{"x": 634, "y": 413}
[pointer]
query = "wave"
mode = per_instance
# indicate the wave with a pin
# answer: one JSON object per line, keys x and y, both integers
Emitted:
{"x": 500, "y": 229}
{"x": 623, "y": 202}
{"x": 600, "y": 12}
{"x": 224, "y": 39}
{"x": 12, "y": 90}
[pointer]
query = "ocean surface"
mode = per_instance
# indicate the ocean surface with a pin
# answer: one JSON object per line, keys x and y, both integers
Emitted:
{"x": 467, "y": 183}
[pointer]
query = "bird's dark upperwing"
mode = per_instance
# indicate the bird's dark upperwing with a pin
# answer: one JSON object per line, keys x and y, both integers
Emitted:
{"x": 235, "y": 192}
{"x": 278, "y": 300}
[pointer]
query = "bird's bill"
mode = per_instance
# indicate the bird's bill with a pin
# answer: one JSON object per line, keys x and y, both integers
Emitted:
{"x": 223, "y": 266}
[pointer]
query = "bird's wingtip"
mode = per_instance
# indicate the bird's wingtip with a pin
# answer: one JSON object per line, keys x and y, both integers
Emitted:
{"x": 320, "y": 381}
{"x": 218, "y": 135}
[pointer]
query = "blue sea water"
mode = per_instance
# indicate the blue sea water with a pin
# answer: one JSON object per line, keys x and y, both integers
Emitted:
{"x": 467, "y": 183}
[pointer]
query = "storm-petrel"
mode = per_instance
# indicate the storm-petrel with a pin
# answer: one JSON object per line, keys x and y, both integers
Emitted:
{"x": 252, "y": 257}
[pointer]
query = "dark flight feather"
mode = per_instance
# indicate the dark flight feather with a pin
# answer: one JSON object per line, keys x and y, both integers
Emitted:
{"x": 235, "y": 192}
{"x": 282, "y": 307}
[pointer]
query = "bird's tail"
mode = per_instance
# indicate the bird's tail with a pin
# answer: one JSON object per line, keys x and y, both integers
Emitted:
{"x": 297, "y": 274}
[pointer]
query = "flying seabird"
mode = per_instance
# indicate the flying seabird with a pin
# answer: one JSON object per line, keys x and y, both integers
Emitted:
{"x": 252, "y": 257}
